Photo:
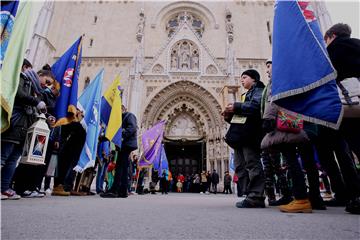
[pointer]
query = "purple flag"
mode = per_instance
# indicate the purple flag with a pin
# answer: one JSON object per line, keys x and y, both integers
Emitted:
{"x": 151, "y": 142}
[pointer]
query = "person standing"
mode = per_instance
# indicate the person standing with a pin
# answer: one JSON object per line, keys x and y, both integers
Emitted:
{"x": 129, "y": 144}
{"x": 344, "y": 53}
{"x": 12, "y": 140}
{"x": 227, "y": 183}
{"x": 246, "y": 116}
{"x": 214, "y": 181}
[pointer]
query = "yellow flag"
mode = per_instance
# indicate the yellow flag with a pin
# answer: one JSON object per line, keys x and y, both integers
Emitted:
{"x": 112, "y": 113}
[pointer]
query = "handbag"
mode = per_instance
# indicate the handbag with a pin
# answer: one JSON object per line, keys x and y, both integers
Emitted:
{"x": 52, "y": 168}
{"x": 286, "y": 122}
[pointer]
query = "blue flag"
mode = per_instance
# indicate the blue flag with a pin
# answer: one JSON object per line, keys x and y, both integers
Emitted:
{"x": 7, "y": 17}
{"x": 66, "y": 70}
{"x": 164, "y": 164}
{"x": 161, "y": 162}
{"x": 231, "y": 162}
{"x": 89, "y": 103}
{"x": 303, "y": 78}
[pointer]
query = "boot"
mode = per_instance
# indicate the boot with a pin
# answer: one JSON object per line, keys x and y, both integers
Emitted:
{"x": 297, "y": 206}
{"x": 59, "y": 191}
{"x": 282, "y": 201}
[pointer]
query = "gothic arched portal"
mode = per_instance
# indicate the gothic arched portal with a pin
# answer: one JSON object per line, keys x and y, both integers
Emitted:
{"x": 194, "y": 129}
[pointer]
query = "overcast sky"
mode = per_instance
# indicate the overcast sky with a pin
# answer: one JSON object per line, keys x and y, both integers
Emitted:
{"x": 346, "y": 12}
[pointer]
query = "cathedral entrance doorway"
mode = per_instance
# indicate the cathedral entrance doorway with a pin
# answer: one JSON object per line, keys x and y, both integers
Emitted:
{"x": 186, "y": 157}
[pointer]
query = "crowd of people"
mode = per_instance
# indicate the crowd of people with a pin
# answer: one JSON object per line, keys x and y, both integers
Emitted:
{"x": 265, "y": 157}
{"x": 264, "y": 146}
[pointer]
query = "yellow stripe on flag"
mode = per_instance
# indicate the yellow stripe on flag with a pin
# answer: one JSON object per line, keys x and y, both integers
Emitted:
{"x": 113, "y": 97}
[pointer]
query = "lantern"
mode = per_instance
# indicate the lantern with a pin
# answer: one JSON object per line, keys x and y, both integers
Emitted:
{"x": 36, "y": 142}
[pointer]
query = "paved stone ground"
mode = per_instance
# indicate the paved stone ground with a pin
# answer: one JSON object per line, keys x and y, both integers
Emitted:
{"x": 173, "y": 216}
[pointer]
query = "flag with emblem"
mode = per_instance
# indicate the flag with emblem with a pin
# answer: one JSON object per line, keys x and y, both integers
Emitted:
{"x": 66, "y": 70}
{"x": 303, "y": 78}
{"x": 151, "y": 144}
{"x": 89, "y": 104}
{"x": 111, "y": 112}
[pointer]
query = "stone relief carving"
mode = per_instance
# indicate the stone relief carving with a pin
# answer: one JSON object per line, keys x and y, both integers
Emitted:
{"x": 158, "y": 69}
{"x": 211, "y": 69}
{"x": 183, "y": 125}
{"x": 218, "y": 148}
{"x": 184, "y": 57}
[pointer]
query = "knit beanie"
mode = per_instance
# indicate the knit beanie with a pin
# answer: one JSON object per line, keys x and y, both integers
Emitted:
{"x": 253, "y": 74}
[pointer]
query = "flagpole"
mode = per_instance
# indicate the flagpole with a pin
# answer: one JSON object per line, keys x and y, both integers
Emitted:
{"x": 137, "y": 179}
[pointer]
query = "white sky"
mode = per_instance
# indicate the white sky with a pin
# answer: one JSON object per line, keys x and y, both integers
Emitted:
{"x": 346, "y": 12}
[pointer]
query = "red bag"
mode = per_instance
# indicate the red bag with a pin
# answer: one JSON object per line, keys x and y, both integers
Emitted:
{"x": 289, "y": 123}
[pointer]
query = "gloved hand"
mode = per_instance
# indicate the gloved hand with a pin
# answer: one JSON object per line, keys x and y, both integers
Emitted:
{"x": 111, "y": 166}
{"x": 41, "y": 106}
{"x": 268, "y": 125}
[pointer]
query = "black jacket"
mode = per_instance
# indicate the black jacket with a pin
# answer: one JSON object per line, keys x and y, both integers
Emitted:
{"x": 344, "y": 54}
{"x": 251, "y": 132}
{"x": 129, "y": 131}
{"x": 24, "y": 111}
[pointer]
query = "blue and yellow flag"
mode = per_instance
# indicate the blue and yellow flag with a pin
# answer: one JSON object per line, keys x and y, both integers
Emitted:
{"x": 89, "y": 103}
{"x": 15, "y": 47}
{"x": 111, "y": 113}
{"x": 66, "y": 70}
{"x": 303, "y": 78}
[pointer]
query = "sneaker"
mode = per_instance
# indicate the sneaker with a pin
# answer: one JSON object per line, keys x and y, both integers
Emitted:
{"x": 48, "y": 192}
{"x": 11, "y": 194}
{"x": 4, "y": 197}
{"x": 59, "y": 191}
{"x": 353, "y": 206}
{"x": 32, "y": 194}
{"x": 282, "y": 201}
{"x": 297, "y": 206}
{"x": 250, "y": 203}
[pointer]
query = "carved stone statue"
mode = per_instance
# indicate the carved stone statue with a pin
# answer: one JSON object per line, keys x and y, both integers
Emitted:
{"x": 218, "y": 148}
{"x": 174, "y": 60}
{"x": 185, "y": 58}
{"x": 229, "y": 27}
{"x": 195, "y": 62}
{"x": 140, "y": 27}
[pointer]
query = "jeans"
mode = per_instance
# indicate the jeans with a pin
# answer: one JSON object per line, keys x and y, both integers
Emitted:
{"x": 10, "y": 153}
{"x": 102, "y": 168}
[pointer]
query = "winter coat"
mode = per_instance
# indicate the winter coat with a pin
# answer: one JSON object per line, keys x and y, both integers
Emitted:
{"x": 275, "y": 137}
{"x": 215, "y": 178}
{"x": 227, "y": 179}
{"x": 344, "y": 54}
{"x": 250, "y": 132}
{"x": 24, "y": 112}
{"x": 129, "y": 131}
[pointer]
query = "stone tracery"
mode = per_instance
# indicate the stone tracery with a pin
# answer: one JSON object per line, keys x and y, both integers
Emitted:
{"x": 184, "y": 56}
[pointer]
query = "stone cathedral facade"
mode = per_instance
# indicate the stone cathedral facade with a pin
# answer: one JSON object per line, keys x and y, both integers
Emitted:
{"x": 175, "y": 60}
